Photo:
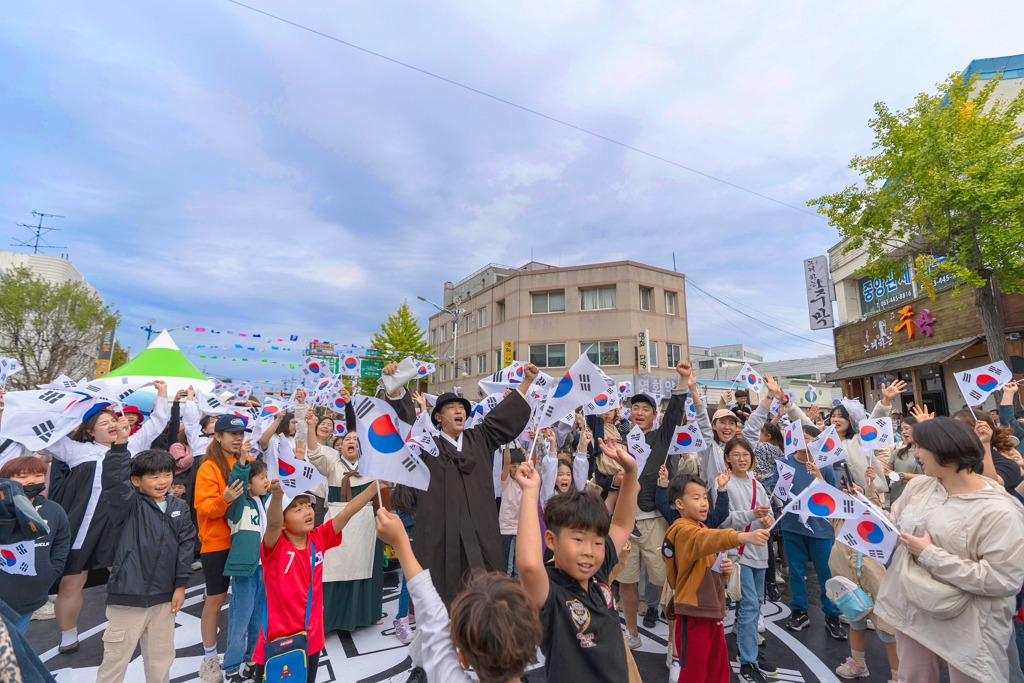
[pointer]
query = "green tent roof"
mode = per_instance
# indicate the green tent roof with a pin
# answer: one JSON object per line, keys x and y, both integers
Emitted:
{"x": 163, "y": 358}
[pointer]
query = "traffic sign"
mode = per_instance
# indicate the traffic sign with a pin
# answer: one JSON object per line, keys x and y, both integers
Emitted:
{"x": 371, "y": 368}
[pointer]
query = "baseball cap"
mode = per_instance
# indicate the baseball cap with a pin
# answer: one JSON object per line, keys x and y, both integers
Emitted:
{"x": 643, "y": 398}
{"x": 724, "y": 412}
{"x": 231, "y": 423}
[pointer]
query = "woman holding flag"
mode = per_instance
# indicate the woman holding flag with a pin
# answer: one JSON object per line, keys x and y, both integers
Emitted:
{"x": 93, "y": 544}
{"x": 351, "y": 603}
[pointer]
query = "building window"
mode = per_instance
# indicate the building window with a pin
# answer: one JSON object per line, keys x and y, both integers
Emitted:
{"x": 481, "y": 364}
{"x": 646, "y": 294}
{"x": 597, "y": 298}
{"x": 549, "y": 302}
{"x": 481, "y": 318}
{"x": 670, "y": 303}
{"x": 500, "y": 312}
{"x": 547, "y": 355}
{"x": 705, "y": 364}
{"x": 444, "y": 372}
{"x": 673, "y": 354}
{"x": 652, "y": 354}
{"x": 498, "y": 358}
{"x": 433, "y": 337}
{"x": 467, "y": 324}
{"x": 753, "y": 356}
{"x": 444, "y": 333}
{"x": 467, "y": 367}
{"x": 601, "y": 353}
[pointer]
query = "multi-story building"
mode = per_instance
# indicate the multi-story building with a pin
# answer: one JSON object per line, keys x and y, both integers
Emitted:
{"x": 728, "y": 356}
{"x": 53, "y": 269}
{"x": 550, "y": 316}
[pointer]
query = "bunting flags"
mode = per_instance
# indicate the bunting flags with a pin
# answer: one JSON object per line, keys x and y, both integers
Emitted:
{"x": 827, "y": 449}
{"x": 384, "y": 449}
{"x": 978, "y": 384}
{"x": 687, "y": 439}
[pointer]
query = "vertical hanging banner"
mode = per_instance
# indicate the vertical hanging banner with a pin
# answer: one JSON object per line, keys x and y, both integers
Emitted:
{"x": 508, "y": 353}
{"x": 819, "y": 300}
{"x": 643, "y": 358}
{"x": 105, "y": 353}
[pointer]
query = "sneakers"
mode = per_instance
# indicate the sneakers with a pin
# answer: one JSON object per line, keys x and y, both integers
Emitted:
{"x": 835, "y": 629}
{"x": 402, "y": 630}
{"x": 673, "y": 674}
{"x": 68, "y": 649}
{"x": 773, "y": 593}
{"x": 633, "y": 642}
{"x": 851, "y": 669}
{"x": 44, "y": 613}
{"x": 781, "y": 574}
{"x": 651, "y": 618}
{"x": 210, "y": 671}
{"x": 760, "y": 623}
{"x": 766, "y": 668}
{"x": 417, "y": 675}
{"x": 751, "y": 674}
{"x": 798, "y": 620}
{"x": 247, "y": 671}
{"x": 238, "y": 677}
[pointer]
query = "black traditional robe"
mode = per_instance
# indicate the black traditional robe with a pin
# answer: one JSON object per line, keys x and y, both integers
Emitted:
{"x": 456, "y": 519}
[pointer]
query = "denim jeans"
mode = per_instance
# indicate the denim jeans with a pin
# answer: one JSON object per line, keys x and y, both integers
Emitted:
{"x": 799, "y": 550}
{"x": 22, "y": 623}
{"x": 245, "y": 617}
{"x": 752, "y": 586}
{"x": 403, "y": 600}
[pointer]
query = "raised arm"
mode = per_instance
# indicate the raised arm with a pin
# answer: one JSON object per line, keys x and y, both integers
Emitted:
{"x": 118, "y": 492}
{"x": 151, "y": 428}
{"x": 624, "y": 518}
{"x": 265, "y": 437}
{"x": 191, "y": 417}
{"x": 341, "y": 519}
{"x": 529, "y": 554}
{"x": 676, "y": 405}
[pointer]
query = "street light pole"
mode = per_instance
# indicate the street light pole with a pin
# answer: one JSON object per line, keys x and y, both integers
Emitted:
{"x": 455, "y": 341}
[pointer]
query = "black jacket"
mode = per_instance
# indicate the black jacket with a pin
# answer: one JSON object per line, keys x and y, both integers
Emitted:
{"x": 154, "y": 554}
{"x": 659, "y": 440}
{"x": 26, "y": 594}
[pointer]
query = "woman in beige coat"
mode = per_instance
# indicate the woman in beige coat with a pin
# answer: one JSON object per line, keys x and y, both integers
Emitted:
{"x": 972, "y": 539}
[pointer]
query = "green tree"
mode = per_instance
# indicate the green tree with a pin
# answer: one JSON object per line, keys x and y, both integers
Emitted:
{"x": 120, "y": 356}
{"x": 400, "y": 336}
{"x": 946, "y": 185}
{"x": 50, "y": 328}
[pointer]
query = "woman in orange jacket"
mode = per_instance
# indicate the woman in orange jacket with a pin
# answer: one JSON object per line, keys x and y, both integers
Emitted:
{"x": 212, "y": 499}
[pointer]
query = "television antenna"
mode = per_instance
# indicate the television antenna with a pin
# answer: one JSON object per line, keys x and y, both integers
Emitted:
{"x": 36, "y": 241}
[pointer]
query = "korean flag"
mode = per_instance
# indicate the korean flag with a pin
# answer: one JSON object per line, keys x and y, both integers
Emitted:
{"x": 687, "y": 439}
{"x": 976, "y": 385}
{"x": 636, "y": 445}
{"x": 793, "y": 438}
{"x": 386, "y": 449}
{"x": 750, "y": 379}
{"x": 19, "y": 558}
{"x": 871, "y": 534}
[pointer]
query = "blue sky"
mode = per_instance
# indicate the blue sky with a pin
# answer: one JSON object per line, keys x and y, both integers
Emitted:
{"x": 218, "y": 167}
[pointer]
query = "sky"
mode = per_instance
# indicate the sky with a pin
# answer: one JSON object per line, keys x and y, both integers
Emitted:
{"x": 220, "y": 168}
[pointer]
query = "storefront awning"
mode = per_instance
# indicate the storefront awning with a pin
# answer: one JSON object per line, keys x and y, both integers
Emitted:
{"x": 903, "y": 361}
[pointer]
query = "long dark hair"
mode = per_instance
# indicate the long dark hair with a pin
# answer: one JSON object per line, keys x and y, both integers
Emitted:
{"x": 215, "y": 454}
{"x": 905, "y": 448}
{"x": 404, "y": 498}
{"x": 282, "y": 428}
{"x": 774, "y": 435}
{"x": 851, "y": 431}
{"x": 1000, "y": 435}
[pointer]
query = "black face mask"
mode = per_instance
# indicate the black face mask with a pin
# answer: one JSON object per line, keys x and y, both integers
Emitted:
{"x": 33, "y": 490}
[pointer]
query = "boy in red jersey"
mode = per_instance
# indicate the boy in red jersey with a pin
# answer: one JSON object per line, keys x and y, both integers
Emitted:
{"x": 285, "y": 555}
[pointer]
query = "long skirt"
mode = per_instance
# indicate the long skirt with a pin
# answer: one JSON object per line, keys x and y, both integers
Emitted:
{"x": 349, "y": 605}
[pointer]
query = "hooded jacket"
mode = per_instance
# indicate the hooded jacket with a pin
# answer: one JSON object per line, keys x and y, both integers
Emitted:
{"x": 690, "y": 550}
{"x": 659, "y": 440}
{"x": 978, "y": 547}
{"x": 26, "y": 594}
{"x": 154, "y": 553}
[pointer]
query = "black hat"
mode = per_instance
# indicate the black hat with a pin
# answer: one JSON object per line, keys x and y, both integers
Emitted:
{"x": 445, "y": 399}
{"x": 643, "y": 398}
{"x": 231, "y": 423}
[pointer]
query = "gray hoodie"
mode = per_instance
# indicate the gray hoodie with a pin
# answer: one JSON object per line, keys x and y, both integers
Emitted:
{"x": 741, "y": 514}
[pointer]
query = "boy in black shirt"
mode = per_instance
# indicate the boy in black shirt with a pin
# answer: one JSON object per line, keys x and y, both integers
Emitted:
{"x": 582, "y": 636}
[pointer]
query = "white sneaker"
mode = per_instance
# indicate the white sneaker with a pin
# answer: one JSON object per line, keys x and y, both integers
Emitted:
{"x": 633, "y": 642}
{"x": 210, "y": 671}
{"x": 760, "y": 623}
{"x": 673, "y": 675}
{"x": 44, "y": 613}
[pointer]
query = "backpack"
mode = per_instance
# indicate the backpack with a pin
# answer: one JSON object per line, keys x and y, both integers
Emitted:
{"x": 287, "y": 657}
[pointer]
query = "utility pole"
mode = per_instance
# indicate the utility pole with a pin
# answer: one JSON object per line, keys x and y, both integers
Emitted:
{"x": 36, "y": 241}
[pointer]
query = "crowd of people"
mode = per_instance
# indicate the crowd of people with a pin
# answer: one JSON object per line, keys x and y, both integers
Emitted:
{"x": 526, "y": 542}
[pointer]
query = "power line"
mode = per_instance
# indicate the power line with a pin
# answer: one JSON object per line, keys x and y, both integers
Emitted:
{"x": 521, "y": 107}
{"x": 736, "y": 327}
{"x": 756, "y": 320}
